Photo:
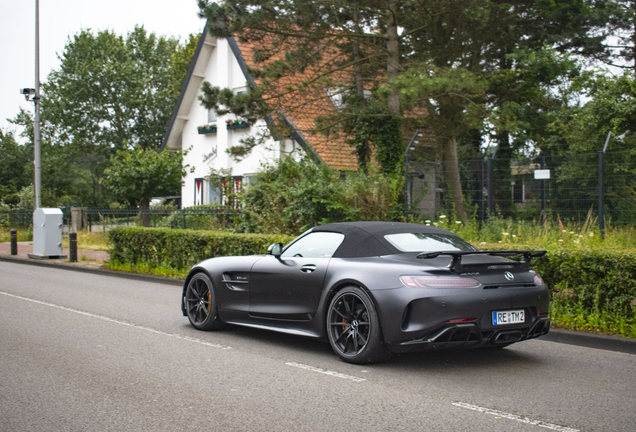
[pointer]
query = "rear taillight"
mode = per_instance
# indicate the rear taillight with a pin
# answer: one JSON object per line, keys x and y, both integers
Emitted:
{"x": 438, "y": 282}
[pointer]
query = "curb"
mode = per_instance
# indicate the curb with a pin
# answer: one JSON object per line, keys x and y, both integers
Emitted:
{"x": 591, "y": 340}
{"x": 102, "y": 272}
{"x": 568, "y": 337}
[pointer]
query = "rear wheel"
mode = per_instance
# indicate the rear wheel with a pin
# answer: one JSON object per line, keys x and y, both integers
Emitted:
{"x": 200, "y": 303}
{"x": 353, "y": 327}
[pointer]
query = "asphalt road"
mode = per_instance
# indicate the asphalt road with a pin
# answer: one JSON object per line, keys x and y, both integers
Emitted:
{"x": 96, "y": 353}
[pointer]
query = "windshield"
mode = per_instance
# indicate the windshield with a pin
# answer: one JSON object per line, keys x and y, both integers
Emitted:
{"x": 419, "y": 242}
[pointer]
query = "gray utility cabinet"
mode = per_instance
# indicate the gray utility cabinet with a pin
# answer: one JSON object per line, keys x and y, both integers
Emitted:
{"x": 47, "y": 233}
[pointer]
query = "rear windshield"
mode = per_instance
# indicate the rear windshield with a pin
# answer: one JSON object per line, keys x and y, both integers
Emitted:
{"x": 419, "y": 242}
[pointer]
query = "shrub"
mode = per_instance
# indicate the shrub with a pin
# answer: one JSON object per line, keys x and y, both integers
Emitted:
{"x": 180, "y": 249}
{"x": 290, "y": 197}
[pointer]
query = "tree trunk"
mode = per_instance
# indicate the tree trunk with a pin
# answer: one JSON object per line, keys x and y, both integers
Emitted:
{"x": 144, "y": 212}
{"x": 364, "y": 154}
{"x": 451, "y": 173}
{"x": 393, "y": 57}
{"x": 357, "y": 57}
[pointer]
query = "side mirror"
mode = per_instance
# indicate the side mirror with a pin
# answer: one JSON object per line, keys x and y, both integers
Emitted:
{"x": 275, "y": 249}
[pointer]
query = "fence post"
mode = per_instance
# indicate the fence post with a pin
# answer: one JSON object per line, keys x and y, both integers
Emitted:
{"x": 601, "y": 196}
{"x": 489, "y": 183}
{"x": 14, "y": 242}
{"x": 542, "y": 191}
{"x": 481, "y": 191}
{"x": 72, "y": 247}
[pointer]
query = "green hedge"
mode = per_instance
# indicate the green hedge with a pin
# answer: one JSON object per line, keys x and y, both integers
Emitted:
{"x": 592, "y": 288}
{"x": 592, "y": 279}
{"x": 183, "y": 248}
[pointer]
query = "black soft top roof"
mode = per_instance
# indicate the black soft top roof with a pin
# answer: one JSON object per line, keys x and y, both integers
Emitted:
{"x": 366, "y": 239}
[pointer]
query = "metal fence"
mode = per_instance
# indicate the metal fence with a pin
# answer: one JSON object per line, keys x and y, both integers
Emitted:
{"x": 92, "y": 219}
{"x": 534, "y": 188}
{"x": 569, "y": 188}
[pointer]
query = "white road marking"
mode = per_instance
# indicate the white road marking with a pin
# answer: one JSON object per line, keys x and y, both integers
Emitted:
{"x": 112, "y": 320}
{"x": 326, "y": 372}
{"x": 515, "y": 417}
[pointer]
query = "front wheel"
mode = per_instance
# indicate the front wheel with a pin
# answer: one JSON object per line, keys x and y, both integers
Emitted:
{"x": 200, "y": 304}
{"x": 353, "y": 327}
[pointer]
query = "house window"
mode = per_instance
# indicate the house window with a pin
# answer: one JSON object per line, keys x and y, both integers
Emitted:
{"x": 212, "y": 116}
{"x": 216, "y": 195}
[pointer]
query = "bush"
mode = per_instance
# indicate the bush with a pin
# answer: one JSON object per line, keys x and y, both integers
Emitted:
{"x": 592, "y": 288}
{"x": 207, "y": 217}
{"x": 595, "y": 279}
{"x": 291, "y": 197}
{"x": 180, "y": 249}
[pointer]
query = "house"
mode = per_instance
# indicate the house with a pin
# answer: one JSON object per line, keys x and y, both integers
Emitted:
{"x": 206, "y": 136}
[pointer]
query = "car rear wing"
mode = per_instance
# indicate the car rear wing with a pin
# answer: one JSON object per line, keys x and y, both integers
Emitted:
{"x": 456, "y": 256}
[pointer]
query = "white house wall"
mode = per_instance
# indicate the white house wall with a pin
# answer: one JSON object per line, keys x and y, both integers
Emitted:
{"x": 207, "y": 152}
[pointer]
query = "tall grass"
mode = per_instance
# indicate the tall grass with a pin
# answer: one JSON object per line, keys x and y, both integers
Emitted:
{"x": 24, "y": 234}
{"x": 550, "y": 234}
{"x": 96, "y": 241}
{"x": 576, "y": 317}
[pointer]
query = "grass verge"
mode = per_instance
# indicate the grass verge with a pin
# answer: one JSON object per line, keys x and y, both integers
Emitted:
{"x": 153, "y": 269}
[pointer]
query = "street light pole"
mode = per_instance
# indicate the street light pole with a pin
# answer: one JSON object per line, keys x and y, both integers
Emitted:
{"x": 47, "y": 222}
{"x": 36, "y": 101}
{"x": 406, "y": 174}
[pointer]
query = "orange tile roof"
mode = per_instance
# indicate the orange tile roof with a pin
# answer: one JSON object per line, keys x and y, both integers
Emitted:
{"x": 302, "y": 108}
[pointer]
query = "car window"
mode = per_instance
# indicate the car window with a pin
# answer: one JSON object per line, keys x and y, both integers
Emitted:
{"x": 420, "y": 242}
{"x": 315, "y": 245}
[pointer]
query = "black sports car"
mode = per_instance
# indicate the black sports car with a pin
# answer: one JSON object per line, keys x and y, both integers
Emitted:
{"x": 371, "y": 288}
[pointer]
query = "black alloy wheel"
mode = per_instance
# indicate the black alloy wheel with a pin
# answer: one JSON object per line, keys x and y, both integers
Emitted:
{"x": 353, "y": 327}
{"x": 200, "y": 304}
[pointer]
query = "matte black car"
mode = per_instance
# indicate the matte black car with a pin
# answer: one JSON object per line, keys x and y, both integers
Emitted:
{"x": 372, "y": 288}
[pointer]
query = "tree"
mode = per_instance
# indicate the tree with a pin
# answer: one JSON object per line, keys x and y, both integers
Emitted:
{"x": 180, "y": 63}
{"x": 137, "y": 175}
{"x": 110, "y": 93}
{"x": 13, "y": 167}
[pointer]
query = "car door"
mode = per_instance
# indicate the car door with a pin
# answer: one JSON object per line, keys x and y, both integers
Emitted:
{"x": 289, "y": 287}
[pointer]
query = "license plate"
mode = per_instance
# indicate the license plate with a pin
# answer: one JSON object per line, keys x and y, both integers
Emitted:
{"x": 508, "y": 317}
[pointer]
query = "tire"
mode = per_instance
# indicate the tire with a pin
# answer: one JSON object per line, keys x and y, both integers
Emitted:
{"x": 353, "y": 327}
{"x": 200, "y": 303}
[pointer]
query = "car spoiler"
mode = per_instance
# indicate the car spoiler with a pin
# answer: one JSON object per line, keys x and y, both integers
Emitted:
{"x": 456, "y": 256}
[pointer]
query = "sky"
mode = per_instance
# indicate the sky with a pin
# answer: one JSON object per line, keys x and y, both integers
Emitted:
{"x": 61, "y": 20}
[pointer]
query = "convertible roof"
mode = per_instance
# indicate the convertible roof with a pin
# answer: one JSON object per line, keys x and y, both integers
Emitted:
{"x": 366, "y": 239}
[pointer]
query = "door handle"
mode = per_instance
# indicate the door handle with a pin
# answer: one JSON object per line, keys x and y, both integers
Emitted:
{"x": 308, "y": 268}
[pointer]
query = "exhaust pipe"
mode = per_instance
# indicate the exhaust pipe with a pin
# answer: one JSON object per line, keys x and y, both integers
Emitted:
{"x": 507, "y": 337}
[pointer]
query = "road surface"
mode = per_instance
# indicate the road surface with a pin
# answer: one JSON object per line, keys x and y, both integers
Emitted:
{"x": 85, "y": 352}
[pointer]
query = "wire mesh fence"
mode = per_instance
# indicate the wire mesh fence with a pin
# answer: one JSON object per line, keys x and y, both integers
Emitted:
{"x": 93, "y": 219}
{"x": 549, "y": 186}
{"x": 568, "y": 187}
